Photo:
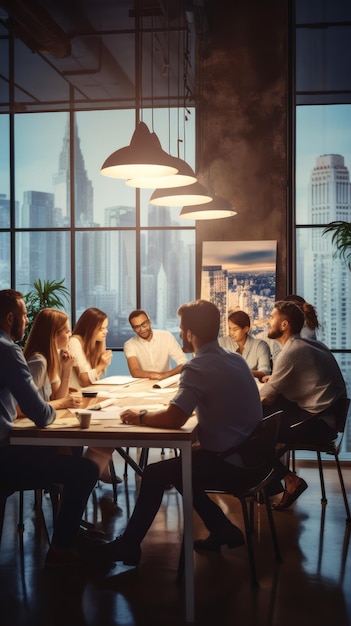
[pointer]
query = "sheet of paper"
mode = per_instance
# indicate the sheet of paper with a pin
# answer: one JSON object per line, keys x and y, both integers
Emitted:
{"x": 117, "y": 380}
{"x": 167, "y": 382}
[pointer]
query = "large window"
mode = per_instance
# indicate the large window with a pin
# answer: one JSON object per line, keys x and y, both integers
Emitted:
{"x": 323, "y": 167}
{"x": 114, "y": 250}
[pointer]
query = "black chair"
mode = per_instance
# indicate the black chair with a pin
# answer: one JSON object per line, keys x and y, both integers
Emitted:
{"x": 7, "y": 489}
{"x": 333, "y": 448}
{"x": 258, "y": 451}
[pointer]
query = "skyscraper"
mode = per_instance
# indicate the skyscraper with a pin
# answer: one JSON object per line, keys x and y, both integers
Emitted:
{"x": 326, "y": 280}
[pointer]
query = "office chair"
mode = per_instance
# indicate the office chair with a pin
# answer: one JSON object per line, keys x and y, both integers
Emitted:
{"x": 333, "y": 448}
{"x": 7, "y": 489}
{"x": 257, "y": 451}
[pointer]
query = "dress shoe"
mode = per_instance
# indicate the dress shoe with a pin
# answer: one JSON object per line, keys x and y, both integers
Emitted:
{"x": 113, "y": 551}
{"x": 231, "y": 536}
{"x": 289, "y": 498}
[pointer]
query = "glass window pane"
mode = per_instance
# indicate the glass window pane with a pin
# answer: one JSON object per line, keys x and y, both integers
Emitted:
{"x": 325, "y": 282}
{"x": 323, "y": 164}
{"x": 42, "y": 165}
{"x": 4, "y": 70}
{"x": 4, "y": 172}
{"x": 321, "y": 11}
{"x": 101, "y": 200}
{"x": 321, "y": 59}
{"x": 5, "y": 275}
{"x": 167, "y": 274}
{"x": 44, "y": 255}
{"x": 106, "y": 278}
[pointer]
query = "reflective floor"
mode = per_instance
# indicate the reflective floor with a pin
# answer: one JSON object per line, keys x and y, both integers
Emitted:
{"x": 311, "y": 586}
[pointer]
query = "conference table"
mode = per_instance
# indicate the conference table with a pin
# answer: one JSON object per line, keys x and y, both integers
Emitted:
{"x": 107, "y": 430}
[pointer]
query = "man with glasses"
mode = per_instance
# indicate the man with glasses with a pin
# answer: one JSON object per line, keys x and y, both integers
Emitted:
{"x": 150, "y": 352}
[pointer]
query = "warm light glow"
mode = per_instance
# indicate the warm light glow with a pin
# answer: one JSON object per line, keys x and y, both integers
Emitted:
{"x": 185, "y": 176}
{"x": 180, "y": 196}
{"x": 143, "y": 157}
{"x": 218, "y": 208}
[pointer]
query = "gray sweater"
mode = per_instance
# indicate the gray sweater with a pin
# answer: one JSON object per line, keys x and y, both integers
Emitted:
{"x": 307, "y": 373}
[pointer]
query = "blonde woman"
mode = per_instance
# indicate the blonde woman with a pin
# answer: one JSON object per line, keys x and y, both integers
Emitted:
{"x": 48, "y": 359}
{"x": 87, "y": 345}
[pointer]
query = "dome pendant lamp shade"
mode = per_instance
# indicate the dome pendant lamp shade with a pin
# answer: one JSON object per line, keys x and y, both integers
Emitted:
{"x": 143, "y": 157}
{"x": 216, "y": 209}
{"x": 180, "y": 196}
{"x": 185, "y": 176}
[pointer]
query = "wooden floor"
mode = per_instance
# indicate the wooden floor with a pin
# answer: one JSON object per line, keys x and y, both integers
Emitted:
{"x": 311, "y": 586}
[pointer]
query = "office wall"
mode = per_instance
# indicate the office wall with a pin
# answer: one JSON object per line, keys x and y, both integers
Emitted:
{"x": 243, "y": 122}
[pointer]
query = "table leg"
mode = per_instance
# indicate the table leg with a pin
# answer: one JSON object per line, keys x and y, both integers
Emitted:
{"x": 188, "y": 532}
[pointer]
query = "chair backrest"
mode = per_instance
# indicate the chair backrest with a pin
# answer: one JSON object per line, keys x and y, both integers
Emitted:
{"x": 259, "y": 448}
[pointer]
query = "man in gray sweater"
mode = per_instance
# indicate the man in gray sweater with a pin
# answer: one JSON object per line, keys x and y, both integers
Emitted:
{"x": 306, "y": 383}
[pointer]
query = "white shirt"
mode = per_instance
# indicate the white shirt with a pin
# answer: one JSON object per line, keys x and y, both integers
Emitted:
{"x": 155, "y": 355}
{"x": 81, "y": 363}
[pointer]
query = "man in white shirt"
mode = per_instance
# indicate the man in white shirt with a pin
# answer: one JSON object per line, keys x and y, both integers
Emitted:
{"x": 150, "y": 352}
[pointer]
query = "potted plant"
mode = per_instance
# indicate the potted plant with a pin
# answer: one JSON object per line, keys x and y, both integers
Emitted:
{"x": 341, "y": 238}
{"x": 46, "y": 294}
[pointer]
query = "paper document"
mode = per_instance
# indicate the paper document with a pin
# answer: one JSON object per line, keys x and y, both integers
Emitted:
{"x": 101, "y": 405}
{"x": 117, "y": 380}
{"x": 167, "y": 382}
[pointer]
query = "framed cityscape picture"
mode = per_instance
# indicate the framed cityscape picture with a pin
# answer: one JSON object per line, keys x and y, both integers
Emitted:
{"x": 240, "y": 275}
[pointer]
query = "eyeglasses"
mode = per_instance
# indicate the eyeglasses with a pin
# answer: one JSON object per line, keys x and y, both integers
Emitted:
{"x": 140, "y": 326}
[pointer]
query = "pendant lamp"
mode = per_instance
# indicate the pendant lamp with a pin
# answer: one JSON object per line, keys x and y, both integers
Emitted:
{"x": 143, "y": 157}
{"x": 216, "y": 209}
{"x": 185, "y": 176}
{"x": 180, "y": 196}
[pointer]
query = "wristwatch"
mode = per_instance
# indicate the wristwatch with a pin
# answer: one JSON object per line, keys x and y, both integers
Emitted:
{"x": 141, "y": 415}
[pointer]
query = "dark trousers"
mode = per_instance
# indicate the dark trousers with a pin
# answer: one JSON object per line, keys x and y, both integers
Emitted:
{"x": 23, "y": 466}
{"x": 208, "y": 472}
{"x": 310, "y": 430}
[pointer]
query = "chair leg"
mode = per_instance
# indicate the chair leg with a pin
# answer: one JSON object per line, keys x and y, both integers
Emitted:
{"x": 3, "y": 500}
{"x": 321, "y": 476}
{"x": 274, "y": 535}
{"x": 125, "y": 473}
{"x": 20, "y": 524}
{"x": 114, "y": 480}
{"x": 250, "y": 551}
{"x": 144, "y": 455}
{"x": 343, "y": 490}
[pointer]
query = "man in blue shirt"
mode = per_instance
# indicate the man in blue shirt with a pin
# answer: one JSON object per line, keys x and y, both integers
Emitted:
{"x": 21, "y": 466}
{"x": 219, "y": 386}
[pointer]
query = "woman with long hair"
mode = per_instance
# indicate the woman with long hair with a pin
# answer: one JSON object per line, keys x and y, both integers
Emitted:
{"x": 88, "y": 347}
{"x": 311, "y": 325}
{"x": 49, "y": 360}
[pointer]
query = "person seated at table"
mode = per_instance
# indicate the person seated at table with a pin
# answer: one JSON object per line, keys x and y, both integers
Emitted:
{"x": 39, "y": 465}
{"x": 311, "y": 323}
{"x": 87, "y": 345}
{"x": 150, "y": 352}
{"x": 306, "y": 384}
{"x": 219, "y": 386}
{"x": 255, "y": 351}
{"x": 49, "y": 361}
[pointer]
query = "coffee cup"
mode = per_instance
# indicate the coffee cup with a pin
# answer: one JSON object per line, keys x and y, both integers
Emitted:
{"x": 83, "y": 418}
